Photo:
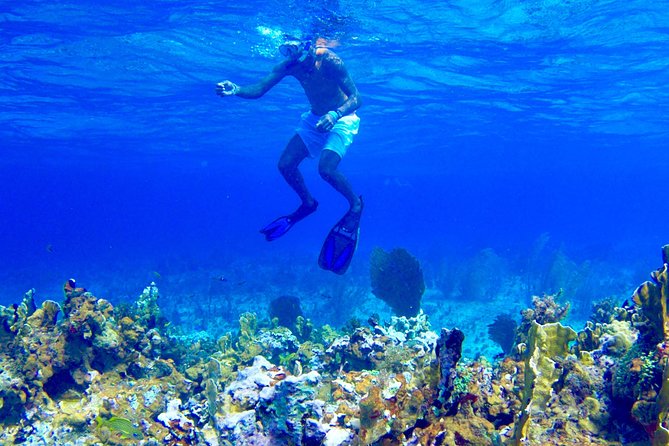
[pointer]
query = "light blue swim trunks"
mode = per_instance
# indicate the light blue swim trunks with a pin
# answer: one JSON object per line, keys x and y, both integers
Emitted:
{"x": 338, "y": 139}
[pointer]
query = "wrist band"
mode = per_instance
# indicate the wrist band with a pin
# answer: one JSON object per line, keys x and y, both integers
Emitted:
{"x": 335, "y": 115}
{"x": 234, "y": 89}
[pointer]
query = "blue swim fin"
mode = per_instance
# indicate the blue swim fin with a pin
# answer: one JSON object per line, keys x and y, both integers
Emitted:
{"x": 283, "y": 224}
{"x": 277, "y": 228}
{"x": 341, "y": 243}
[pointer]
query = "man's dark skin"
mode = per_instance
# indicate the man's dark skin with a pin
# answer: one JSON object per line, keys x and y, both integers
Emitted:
{"x": 328, "y": 87}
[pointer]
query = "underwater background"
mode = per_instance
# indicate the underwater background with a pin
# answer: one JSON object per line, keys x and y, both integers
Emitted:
{"x": 514, "y": 148}
{"x": 513, "y": 160}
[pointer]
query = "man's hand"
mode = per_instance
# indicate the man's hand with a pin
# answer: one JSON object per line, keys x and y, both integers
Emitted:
{"x": 326, "y": 122}
{"x": 227, "y": 88}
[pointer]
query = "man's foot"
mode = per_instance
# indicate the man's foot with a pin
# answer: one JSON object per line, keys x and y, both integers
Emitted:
{"x": 357, "y": 206}
{"x": 305, "y": 210}
{"x": 341, "y": 242}
{"x": 351, "y": 220}
{"x": 281, "y": 225}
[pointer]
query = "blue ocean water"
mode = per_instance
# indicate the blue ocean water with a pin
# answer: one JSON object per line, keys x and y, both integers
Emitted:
{"x": 516, "y": 139}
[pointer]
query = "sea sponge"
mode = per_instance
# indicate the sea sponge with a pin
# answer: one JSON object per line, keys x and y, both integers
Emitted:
{"x": 448, "y": 351}
{"x": 397, "y": 279}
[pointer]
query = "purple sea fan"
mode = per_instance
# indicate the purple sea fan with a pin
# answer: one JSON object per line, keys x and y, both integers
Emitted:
{"x": 503, "y": 331}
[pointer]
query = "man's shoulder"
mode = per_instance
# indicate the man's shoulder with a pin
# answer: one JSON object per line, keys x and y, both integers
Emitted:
{"x": 331, "y": 59}
{"x": 327, "y": 54}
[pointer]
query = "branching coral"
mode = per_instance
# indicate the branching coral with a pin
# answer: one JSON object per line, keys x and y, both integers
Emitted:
{"x": 146, "y": 310}
{"x": 546, "y": 310}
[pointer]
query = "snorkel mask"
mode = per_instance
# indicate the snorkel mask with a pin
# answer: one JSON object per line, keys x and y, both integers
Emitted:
{"x": 297, "y": 50}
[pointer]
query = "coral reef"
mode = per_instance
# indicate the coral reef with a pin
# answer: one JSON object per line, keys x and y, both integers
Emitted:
{"x": 64, "y": 375}
{"x": 93, "y": 373}
{"x": 398, "y": 280}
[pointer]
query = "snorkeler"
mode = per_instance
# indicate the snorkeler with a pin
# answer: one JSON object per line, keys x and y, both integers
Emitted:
{"x": 325, "y": 131}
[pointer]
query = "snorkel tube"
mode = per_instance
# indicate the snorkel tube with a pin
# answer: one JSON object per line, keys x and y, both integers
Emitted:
{"x": 296, "y": 50}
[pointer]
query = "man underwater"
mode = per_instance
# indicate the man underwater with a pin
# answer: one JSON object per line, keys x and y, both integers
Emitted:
{"x": 327, "y": 130}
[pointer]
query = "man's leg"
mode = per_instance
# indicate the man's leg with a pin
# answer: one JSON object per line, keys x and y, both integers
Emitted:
{"x": 327, "y": 168}
{"x": 294, "y": 153}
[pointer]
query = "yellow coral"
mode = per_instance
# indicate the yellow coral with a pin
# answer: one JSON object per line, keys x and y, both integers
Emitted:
{"x": 623, "y": 335}
{"x": 652, "y": 297}
{"x": 592, "y": 409}
{"x": 546, "y": 345}
{"x": 661, "y": 436}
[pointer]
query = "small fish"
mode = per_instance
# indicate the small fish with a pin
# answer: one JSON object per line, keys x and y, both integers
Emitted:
{"x": 120, "y": 425}
{"x": 156, "y": 274}
{"x": 49, "y": 248}
{"x": 221, "y": 278}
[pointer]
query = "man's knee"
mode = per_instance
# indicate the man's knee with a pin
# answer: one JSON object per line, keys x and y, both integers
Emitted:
{"x": 325, "y": 173}
{"x": 292, "y": 155}
{"x": 286, "y": 165}
{"x": 326, "y": 170}
{"x": 327, "y": 165}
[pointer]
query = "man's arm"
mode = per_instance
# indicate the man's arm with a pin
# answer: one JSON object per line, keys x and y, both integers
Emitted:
{"x": 353, "y": 101}
{"x": 227, "y": 88}
{"x": 340, "y": 75}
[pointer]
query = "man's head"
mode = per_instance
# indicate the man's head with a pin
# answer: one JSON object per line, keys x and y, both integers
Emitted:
{"x": 296, "y": 49}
